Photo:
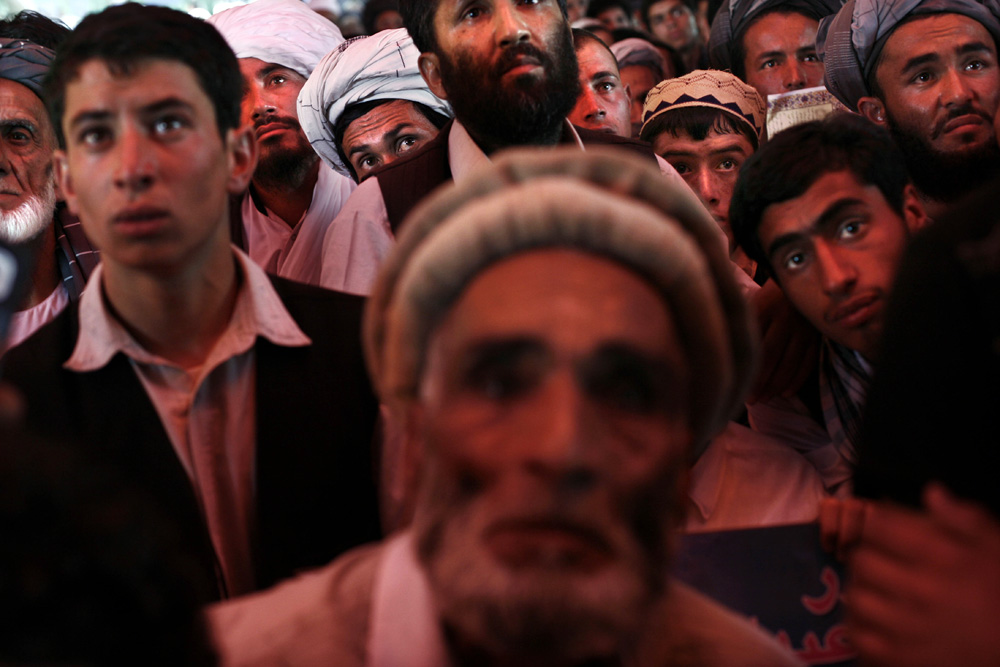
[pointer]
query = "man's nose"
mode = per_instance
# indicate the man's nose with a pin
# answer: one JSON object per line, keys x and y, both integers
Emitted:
{"x": 590, "y": 105}
{"x": 795, "y": 75}
{"x": 562, "y": 450}
{"x": 707, "y": 187}
{"x": 256, "y": 103}
{"x": 136, "y": 164}
{"x": 837, "y": 274}
{"x": 511, "y": 27}
{"x": 955, "y": 89}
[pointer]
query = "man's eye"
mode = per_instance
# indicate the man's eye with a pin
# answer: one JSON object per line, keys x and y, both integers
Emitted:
{"x": 405, "y": 144}
{"x": 168, "y": 125}
{"x": 19, "y": 135}
{"x": 93, "y": 136}
{"x": 922, "y": 77}
{"x": 975, "y": 65}
{"x": 368, "y": 162}
{"x": 472, "y": 13}
{"x": 810, "y": 58}
{"x": 276, "y": 79}
{"x": 850, "y": 229}
{"x": 605, "y": 86}
{"x": 794, "y": 260}
{"x": 768, "y": 64}
{"x": 728, "y": 164}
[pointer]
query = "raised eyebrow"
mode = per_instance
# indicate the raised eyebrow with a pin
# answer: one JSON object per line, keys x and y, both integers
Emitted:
{"x": 829, "y": 216}
{"x": 920, "y": 61}
{"x": 974, "y": 47}
{"x": 734, "y": 148}
{"x": 678, "y": 154}
{"x": 770, "y": 55}
{"x": 606, "y": 74}
{"x": 271, "y": 69}
{"x": 19, "y": 122}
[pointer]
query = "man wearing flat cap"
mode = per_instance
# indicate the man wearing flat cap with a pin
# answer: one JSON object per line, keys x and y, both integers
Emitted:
{"x": 561, "y": 335}
{"x": 927, "y": 70}
{"x": 770, "y": 44}
{"x": 294, "y": 196}
{"x": 29, "y": 215}
{"x": 365, "y": 105}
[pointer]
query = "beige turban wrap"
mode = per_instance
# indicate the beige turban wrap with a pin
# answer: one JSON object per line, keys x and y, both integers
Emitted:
{"x": 603, "y": 202}
{"x": 284, "y": 32}
{"x": 363, "y": 69}
{"x": 705, "y": 88}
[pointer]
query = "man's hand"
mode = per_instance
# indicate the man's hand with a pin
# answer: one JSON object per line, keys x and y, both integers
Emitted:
{"x": 926, "y": 585}
{"x": 789, "y": 347}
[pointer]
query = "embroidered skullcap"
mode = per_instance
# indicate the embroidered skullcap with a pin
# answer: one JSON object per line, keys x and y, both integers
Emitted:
{"x": 25, "y": 62}
{"x": 850, "y": 42}
{"x": 735, "y": 16}
{"x": 284, "y": 32}
{"x": 603, "y": 202}
{"x": 363, "y": 69}
{"x": 705, "y": 88}
{"x": 636, "y": 51}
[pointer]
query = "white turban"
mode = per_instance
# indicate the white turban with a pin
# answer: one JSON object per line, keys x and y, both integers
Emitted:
{"x": 284, "y": 32}
{"x": 364, "y": 69}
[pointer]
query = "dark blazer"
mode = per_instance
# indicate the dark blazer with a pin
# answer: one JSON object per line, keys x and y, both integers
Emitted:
{"x": 315, "y": 417}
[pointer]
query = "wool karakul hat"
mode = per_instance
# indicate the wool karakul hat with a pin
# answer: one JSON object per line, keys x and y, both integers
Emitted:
{"x": 705, "y": 88}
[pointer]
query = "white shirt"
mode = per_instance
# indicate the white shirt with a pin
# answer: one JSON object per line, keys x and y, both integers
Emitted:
{"x": 360, "y": 238}
{"x": 207, "y": 412}
{"x": 295, "y": 253}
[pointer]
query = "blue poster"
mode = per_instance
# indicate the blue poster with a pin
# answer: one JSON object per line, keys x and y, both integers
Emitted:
{"x": 781, "y": 578}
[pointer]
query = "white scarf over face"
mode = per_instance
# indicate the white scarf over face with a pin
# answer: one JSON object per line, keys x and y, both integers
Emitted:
{"x": 364, "y": 69}
{"x": 284, "y": 32}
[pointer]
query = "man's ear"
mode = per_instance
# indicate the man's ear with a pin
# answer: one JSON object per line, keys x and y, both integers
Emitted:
{"x": 242, "y": 147}
{"x": 430, "y": 69}
{"x": 628, "y": 93}
{"x": 873, "y": 109}
{"x": 64, "y": 184}
{"x": 914, "y": 215}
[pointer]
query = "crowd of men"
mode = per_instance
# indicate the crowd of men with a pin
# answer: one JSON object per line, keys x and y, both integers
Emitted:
{"x": 423, "y": 347}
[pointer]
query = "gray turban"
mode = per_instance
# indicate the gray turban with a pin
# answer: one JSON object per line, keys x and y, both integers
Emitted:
{"x": 637, "y": 51}
{"x": 735, "y": 16}
{"x": 851, "y": 41}
{"x": 364, "y": 69}
{"x": 284, "y": 32}
{"x": 602, "y": 202}
{"x": 25, "y": 62}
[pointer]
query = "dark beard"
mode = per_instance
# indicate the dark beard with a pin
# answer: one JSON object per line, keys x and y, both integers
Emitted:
{"x": 284, "y": 169}
{"x": 945, "y": 177}
{"x": 528, "y": 111}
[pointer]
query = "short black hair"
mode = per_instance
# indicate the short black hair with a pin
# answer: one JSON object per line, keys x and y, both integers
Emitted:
{"x": 125, "y": 36}
{"x": 35, "y": 28}
{"x": 582, "y": 36}
{"x": 697, "y": 122}
{"x": 790, "y": 162}
{"x": 418, "y": 19}
{"x": 356, "y": 111}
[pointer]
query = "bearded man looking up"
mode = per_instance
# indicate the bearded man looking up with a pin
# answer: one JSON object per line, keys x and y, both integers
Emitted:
{"x": 510, "y": 73}
{"x": 927, "y": 71}
{"x": 28, "y": 212}
{"x": 281, "y": 219}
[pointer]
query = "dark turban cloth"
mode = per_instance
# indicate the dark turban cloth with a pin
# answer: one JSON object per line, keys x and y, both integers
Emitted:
{"x": 850, "y": 41}
{"x": 25, "y": 62}
{"x": 735, "y": 16}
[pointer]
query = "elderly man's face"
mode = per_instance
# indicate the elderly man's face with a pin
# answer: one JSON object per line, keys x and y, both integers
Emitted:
{"x": 507, "y": 67}
{"x": 552, "y": 410}
{"x": 780, "y": 54}
{"x": 269, "y": 105}
{"x": 941, "y": 85}
{"x": 605, "y": 102}
{"x": 385, "y": 134}
{"x": 27, "y": 192}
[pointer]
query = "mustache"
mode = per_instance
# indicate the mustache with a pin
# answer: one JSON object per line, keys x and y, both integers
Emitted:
{"x": 274, "y": 119}
{"x": 513, "y": 55}
{"x": 956, "y": 112}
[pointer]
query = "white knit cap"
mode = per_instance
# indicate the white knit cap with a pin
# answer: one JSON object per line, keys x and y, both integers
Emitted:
{"x": 364, "y": 69}
{"x": 284, "y": 32}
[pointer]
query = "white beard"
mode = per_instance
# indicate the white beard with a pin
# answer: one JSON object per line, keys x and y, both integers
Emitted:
{"x": 26, "y": 222}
